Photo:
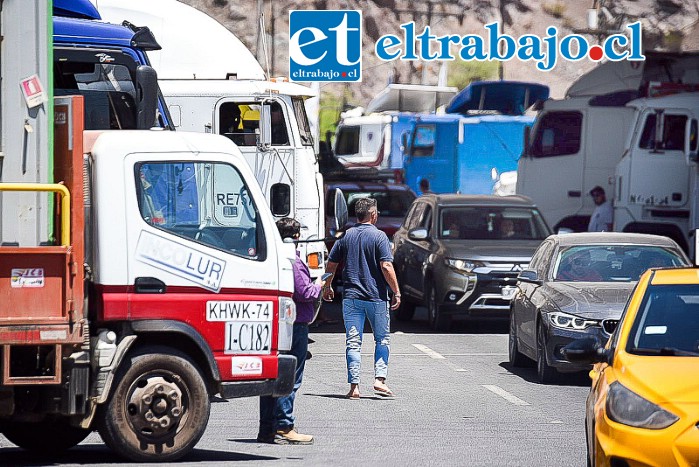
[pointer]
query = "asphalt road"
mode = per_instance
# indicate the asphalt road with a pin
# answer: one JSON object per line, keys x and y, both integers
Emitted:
{"x": 457, "y": 403}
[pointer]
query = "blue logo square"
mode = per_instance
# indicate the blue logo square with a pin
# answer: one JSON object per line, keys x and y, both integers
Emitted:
{"x": 325, "y": 46}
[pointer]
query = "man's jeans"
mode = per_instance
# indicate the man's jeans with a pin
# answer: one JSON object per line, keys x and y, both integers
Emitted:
{"x": 278, "y": 412}
{"x": 354, "y": 312}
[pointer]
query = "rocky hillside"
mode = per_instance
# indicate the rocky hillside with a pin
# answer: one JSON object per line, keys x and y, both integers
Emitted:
{"x": 667, "y": 25}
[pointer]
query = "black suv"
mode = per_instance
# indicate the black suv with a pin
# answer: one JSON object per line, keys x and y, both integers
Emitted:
{"x": 460, "y": 254}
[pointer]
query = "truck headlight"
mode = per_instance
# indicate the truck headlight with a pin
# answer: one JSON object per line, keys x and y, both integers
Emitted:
{"x": 566, "y": 321}
{"x": 463, "y": 265}
{"x": 287, "y": 316}
{"x": 628, "y": 408}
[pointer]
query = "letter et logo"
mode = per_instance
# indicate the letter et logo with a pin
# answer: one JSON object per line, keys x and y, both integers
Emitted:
{"x": 325, "y": 46}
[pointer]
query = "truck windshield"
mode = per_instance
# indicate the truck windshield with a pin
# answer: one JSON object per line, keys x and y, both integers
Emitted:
{"x": 206, "y": 202}
{"x": 557, "y": 134}
{"x": 304, "y": 127}
{"x": 105, "y": 78}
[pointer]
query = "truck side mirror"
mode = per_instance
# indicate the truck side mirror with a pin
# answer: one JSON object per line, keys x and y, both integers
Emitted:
{"x": 658, "y": 143}
{"x": 527, "y": 141}
{"x": 265, "y": 141}
{"x": 341, "y": 215}
{"x": 691, "y": 141}
{"x": 147, "y": 96}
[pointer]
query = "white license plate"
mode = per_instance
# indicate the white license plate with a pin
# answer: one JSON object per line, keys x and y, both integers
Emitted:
{"x": 508, "y": 292}
{"x": 248, "y": 337}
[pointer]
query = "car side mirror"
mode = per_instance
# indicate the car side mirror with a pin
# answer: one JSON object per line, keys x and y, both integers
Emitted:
{"x": 418, "y": 234}
{"x": 340, "y": 216}
{"x": 586, "y": 350}
{"x": 529, "y": 276}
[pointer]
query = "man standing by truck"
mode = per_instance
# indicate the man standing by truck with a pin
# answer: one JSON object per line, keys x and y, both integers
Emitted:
{"x": 277, "y": 413}
{"x": 601, "y": 219}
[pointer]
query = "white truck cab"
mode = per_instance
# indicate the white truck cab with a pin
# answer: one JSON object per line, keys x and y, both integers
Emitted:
{"x": 215, "y": 85}
{"x": 652, "y": 180}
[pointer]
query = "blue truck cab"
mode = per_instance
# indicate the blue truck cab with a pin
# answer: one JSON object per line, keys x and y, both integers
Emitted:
{"x": 480, "y": 137}
{"x": 460, "y": 154}
{"x": 107, "y": 65}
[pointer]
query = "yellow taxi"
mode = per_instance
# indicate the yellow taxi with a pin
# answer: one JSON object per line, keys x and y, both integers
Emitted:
{"x": 643, "y": 407}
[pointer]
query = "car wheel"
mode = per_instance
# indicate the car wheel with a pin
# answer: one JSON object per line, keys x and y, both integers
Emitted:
{"x": 406, "y": 310}
{"x": 517, "y": 359}
{"x": 438, "y": 321}
{"x": 545, "y": 372}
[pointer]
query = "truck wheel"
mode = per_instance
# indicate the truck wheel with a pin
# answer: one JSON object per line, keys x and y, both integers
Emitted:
{"x": 158, "y": 409}
{"x": 46, "y": 437}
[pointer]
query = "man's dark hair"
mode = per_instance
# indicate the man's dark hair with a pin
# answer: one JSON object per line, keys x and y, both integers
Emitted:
{"x": 424, "y": 184}
{"x": 288, "y": 227}
{"x": 362, "y": 208}
{"x": 598, "y": 190}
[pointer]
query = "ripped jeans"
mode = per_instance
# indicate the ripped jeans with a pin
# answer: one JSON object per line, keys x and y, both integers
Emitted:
{"x": 354, "y": 312}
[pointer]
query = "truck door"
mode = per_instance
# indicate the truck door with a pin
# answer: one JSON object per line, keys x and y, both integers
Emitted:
{"x": 433, "y": 156}
{"x": 551, "y": 172}
{"x": 199, "y": 255}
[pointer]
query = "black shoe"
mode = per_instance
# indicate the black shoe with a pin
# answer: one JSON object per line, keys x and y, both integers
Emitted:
{"x": 309, "y": 355}
{"x": 311, "y": 341}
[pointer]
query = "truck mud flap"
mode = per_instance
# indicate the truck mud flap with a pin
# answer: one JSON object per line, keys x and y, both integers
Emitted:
{"x": 281, "y": 386}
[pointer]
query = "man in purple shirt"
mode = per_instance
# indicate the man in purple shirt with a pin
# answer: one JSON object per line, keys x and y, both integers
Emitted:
{"x": 277, "y": 413}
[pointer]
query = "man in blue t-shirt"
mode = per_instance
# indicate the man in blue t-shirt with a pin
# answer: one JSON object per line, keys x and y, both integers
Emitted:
{"x": 368, "y": 275}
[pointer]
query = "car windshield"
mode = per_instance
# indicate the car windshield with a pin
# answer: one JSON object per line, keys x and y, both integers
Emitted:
{"x": 667, "y": 322}
{"x": 390, "y": 203}
{"x": 611, "y": 263}
{"x": 488, "y": 222}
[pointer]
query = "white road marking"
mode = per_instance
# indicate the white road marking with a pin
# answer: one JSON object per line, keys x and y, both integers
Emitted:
{"x": 428, "y": 351}
{"x": 505, "y": 395}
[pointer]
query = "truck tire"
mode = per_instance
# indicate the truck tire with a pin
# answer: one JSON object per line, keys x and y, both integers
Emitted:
{"x": 45, "y": 437}
{"x": 158, "y": 409}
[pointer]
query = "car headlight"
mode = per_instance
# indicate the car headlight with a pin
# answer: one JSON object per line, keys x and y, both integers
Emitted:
{"x": 566, "y": 321}
{"x": 463, "y": 265}
{"x": 628, "y": 408}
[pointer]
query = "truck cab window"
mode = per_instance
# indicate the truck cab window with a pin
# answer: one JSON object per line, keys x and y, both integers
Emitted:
{"x": 105, "y": 80}
{"x": 673, "y": 133}
{"x": 302, "y": 118}
{"x": 240, "y": 122}
{"x": 557, "y": 134}
{"x": 347, "y": 141}
{"x": 204, "y": 202}
{"x": 423, "y": 141}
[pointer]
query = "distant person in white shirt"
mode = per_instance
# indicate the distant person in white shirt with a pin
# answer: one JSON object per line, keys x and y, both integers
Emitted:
{"x": 601, "y": 220}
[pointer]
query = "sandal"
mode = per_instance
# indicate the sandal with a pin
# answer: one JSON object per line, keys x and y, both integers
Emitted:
{"x": 383, "y": 391}
{"x": 351, "y": 396}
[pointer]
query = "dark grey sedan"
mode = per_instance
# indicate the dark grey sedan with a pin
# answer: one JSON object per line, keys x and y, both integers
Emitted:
{"x": 576, "y": 286}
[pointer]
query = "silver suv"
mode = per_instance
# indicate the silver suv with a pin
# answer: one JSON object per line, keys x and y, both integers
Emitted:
{"x": 460, "y": 254}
